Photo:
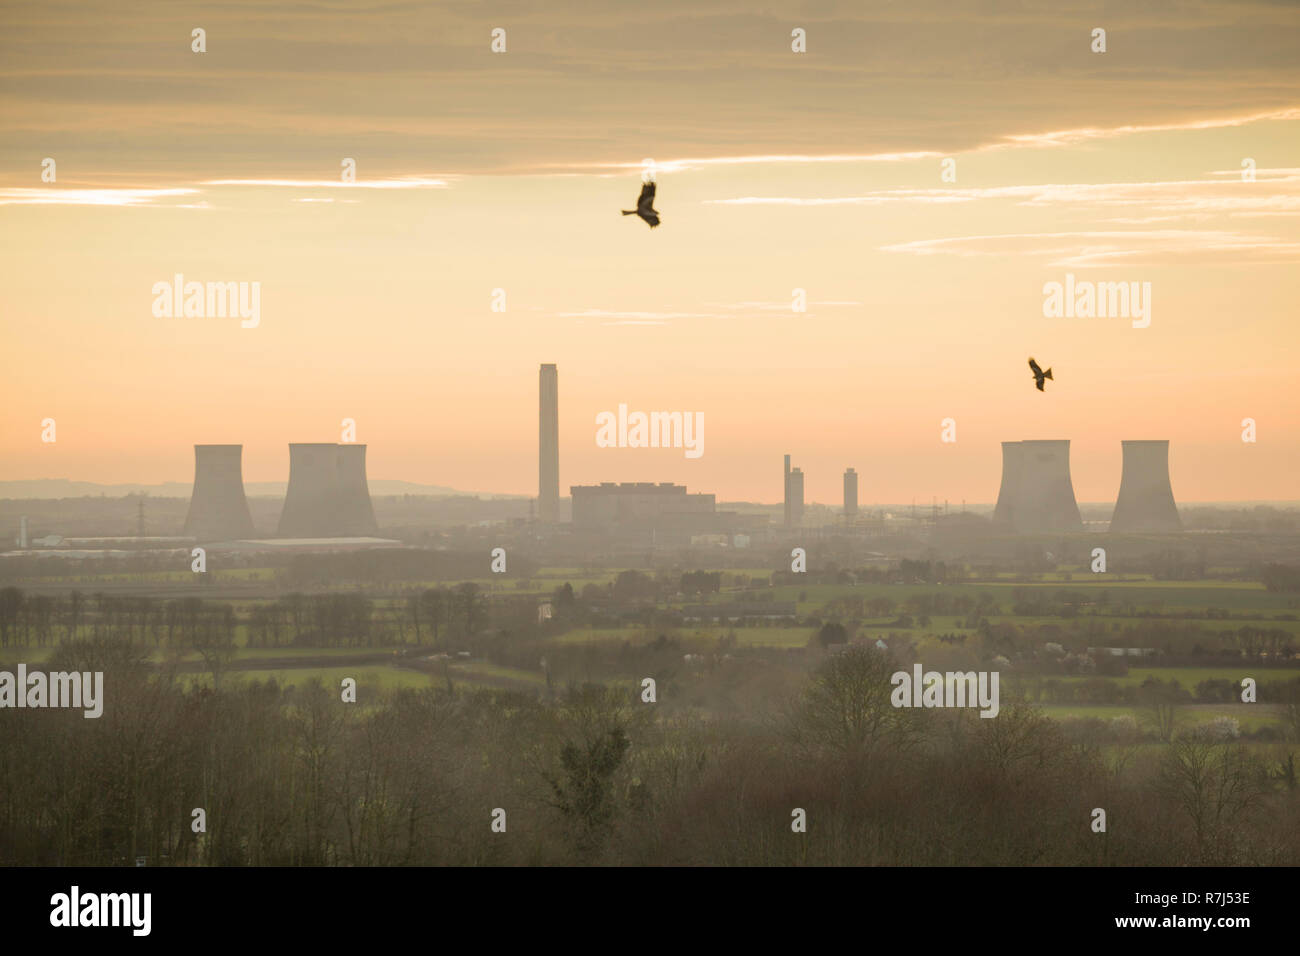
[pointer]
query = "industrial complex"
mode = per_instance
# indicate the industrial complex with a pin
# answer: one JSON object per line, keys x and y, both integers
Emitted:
{"x": 327, "y": 503}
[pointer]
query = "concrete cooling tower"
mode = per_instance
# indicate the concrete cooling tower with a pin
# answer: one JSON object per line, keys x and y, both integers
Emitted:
{"x": 327, "y": 496}
{"x": 1146, "y": 498}
{"x": 218, "y": 508}
{"x": 1002, "y": 513}
{"x": 1037, "y": 494}
{"x": 356, "y": 514}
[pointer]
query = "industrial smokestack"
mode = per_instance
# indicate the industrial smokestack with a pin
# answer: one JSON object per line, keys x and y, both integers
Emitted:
{"x": 1146, "y": 498}
{"x": 548, "y": 445}
{"x": 785, "y": 494}
{"x": 1044, "y": 498}
{"x": 794, "y": 497}
{"x": 356, "y": 514}
{"x": 850, "y": 493}
{"x": 218, "y": 508}
{"x": 1003, "y": 512}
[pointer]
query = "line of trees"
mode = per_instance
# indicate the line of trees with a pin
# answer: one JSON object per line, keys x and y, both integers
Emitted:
{"x": 338, "y": 619}
{"x": 296, "y": 776}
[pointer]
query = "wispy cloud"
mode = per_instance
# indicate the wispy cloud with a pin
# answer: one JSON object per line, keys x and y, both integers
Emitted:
{"x": 401, "y": 182}
{"x": 779, "y": 306}
{"x": 54, "y": 196}
{"x": 870, "y": 199}
{"x": 684, "y": 165}
{"x": 1038, "y": 140}
{"x": 1072, "y": 137}
{"x": 1086, "y": 249}
{"x": 628, "y": 318}
{"x": 1270, "y": 195}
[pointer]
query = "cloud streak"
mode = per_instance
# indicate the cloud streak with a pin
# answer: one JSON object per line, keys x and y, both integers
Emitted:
{"x": 1085, "y": 249}
{"x": 401, "y": 182}
{"x": 55, "y": 196}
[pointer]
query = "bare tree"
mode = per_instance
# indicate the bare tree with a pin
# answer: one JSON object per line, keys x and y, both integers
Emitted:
{"x": 1216, "y": 785}
{"x": 847, "y": 709}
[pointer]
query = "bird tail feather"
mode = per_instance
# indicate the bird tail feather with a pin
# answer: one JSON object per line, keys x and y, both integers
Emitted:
{"x": 629, "y": 212}
{"x": 1048, "y": 374}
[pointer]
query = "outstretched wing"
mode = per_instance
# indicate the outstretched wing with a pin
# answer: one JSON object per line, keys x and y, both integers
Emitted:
{"x": 647, "y": 197}
{"x": 1033, "y": 367}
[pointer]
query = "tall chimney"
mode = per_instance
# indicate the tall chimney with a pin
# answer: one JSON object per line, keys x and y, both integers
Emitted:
{"x": 785, "y": 494}
{"x": 548, "y": 445}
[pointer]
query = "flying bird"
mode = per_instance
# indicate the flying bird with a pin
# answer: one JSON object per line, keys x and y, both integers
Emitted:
{"x": 1039, "y": 375}
{"x": 645, "y": 206}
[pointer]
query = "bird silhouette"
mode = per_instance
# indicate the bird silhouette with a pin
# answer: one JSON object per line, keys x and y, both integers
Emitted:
{"x": 1039, "y": 375}
{"x": 645, "y": 206}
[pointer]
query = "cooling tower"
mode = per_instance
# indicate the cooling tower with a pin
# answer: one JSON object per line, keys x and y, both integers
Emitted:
{"x": 328, "y": 496}
{"x": 1146, "y": 498}
{"x": 1003, "y": 513}
{"x": 1044, "y": 494}
{"x": 218, "y": 508}
{"x": 355, "y": 513}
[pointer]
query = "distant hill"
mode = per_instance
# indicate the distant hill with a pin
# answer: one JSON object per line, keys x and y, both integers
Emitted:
{"x": 66, "y": 488}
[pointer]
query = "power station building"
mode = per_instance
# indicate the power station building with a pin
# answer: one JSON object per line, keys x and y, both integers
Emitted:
{"x": 218, "y": 508}
{"x": 1146, "y": 497}
{"x": 548, "y": 445}
{"x": 328, "y": 496}
{"x": 639, "y": 504}
{"x": 1036, "y": 494}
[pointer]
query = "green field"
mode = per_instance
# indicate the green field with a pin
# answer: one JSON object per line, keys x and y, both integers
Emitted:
{"x": 367, "y": 677}
{"x": 494, "y": 672}
{"x": 695, "y": 638}
{"x": 1189, "y": 677}
{"x": 1249, "y": 717}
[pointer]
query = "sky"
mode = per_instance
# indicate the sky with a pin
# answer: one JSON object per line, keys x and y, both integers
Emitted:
{"x": 777, "y": 171}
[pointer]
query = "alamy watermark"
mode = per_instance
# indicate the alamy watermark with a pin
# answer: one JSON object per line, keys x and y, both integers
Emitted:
{"x": 651, "y": 430}
{"x": 950, "y": 689}
{"x": 80, "y": 689}
{"x": 74, "y": 908}
{"x": 1085, "y": 299}
{"x": 215, "y": 300}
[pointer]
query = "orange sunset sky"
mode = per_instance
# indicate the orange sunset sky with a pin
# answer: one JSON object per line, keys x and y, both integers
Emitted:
{"x": 776, "y": 170}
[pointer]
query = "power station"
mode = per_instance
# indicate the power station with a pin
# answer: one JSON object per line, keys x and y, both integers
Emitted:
{"x": 218, "y": 508}
{"x": 1146, "y": 497}
{"x": 328, "y": 496}
{"x": 1036, "y": 494}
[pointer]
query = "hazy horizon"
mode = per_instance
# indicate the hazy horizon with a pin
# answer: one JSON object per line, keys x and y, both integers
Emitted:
{"x": 382, "y": 487}
{"x": 479, "y": 171}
